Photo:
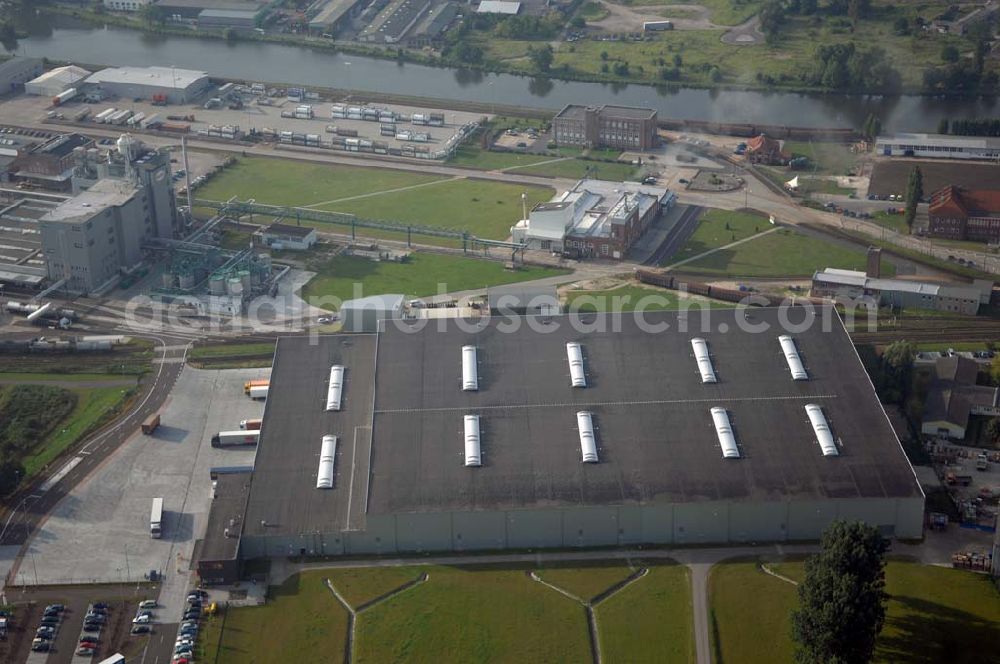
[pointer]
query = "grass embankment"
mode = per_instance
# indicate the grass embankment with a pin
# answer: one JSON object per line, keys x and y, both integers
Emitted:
{"x": 301, "y": 622}
{"x": 232, "y": 356}
{"x": 782, "y": 253}
{"x": 583, "y": 580}
{"x": 629, "y": 298}
{"x": 483, "y": 208}
{"x": 39, "y": 422}
{"x": 934, "y": 614}
{"x": 363, "y": 584}
{"x": 825, "y": 158}
{"x": 421, "y": 275}
{"x": 474, "y": 615}
{"x": 650, "y": 620}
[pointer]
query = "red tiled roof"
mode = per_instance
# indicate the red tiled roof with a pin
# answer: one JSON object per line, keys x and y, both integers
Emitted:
{"x": 763, "y": 143}
{"x": 965, "y": 202}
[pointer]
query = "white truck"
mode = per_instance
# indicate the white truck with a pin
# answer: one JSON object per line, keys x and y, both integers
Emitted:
{"x": 258, "y": 392}
{"x": 156, "y": 519}
{"x": 233, "y": 438}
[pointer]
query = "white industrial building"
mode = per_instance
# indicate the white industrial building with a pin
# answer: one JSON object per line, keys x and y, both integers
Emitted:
{"x": 593, "y": 219}
{"x": 285, "y": 236}
{"x": 126, "y": 5}
{"x": 365, "y": 313}
{"x": 853, "y": 284}
{"x": 56, "y": 81}
{"x": 941, "y": 146}
{"x": 498, "y": 7}
{"x": 178, "y": 86}
{"x": 17, "y": 71}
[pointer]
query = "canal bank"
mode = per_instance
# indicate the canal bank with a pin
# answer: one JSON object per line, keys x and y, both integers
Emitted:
{"x": 291, "y": 64}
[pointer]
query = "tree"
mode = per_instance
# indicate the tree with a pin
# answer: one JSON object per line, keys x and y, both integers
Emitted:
{"x": 678, "y": 60}
{"x": 842, "y": 599}
{"x": 153, "y": 14}
{"x": 949, "y": 53}
{"x": 995, "y": 370}
{"x": 771, "y": 17}
{"x": 604, "y": 56}
{"x": 541, "y": 57}
{"x": 943, "y": 126}
{"x": 993, "y": 430}
{"x": 899, "y": 355}
{"x": 468, "y": 53}
{"x": 872, "y": 127}
{"x": 914, "y": 192}
{"x": 578, "y": 22}
{"x": 11, "y": 472}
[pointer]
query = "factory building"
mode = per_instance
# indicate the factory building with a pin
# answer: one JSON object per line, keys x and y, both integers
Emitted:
{"x": 188, "y": 10}
{"x": 954, "y": 397}
{"x": 49, "y": 165}
{"x": 126, "y": 5}
{"x": 14, "y": 73}
{"x": 333, "y": 15}
{"x": 285, "y": 236}
{"x": 56, "y": 81}
{"x": 178, "y": 86}
{"x": 852, "y": 284}
{"x": 238, "y": 19}
{"x": 126, "y": 201}
{"x": 464, "y": 435}
{"x": 956, "y": 213}
{"x": 941, "y": 146}
{"x": 619, "y": 127}
{"x": 394, "y": 22}
{"x": 595, "y": 219}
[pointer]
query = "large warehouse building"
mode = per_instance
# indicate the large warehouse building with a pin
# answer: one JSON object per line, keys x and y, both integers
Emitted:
{"x": 471, "y": 436}
{"x": 178, "y": 86}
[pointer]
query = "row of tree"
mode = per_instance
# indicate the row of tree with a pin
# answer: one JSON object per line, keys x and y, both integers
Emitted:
{"x": 850, "y": 67}
{"x": 971, "y": 127}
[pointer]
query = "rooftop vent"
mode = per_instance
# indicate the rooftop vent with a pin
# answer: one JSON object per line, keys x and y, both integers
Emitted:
{"x": 792, "y": 357}
{"x": 724, "y": 430}
{"x": 575, "y": 354}
{"x": 700, "y": 347}
{"x": 336, "y": 388}
{"x": 588, "y": 444}
{"x": 472, "y": 450}
{"x": 822, "y": 430}
{"x": 327, "y": 452}
{"x": 470, "y": 370}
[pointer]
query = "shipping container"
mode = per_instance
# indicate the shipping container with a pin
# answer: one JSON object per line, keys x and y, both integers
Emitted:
{"x": 150, "y": 121}
{"x": 436, "y": 119}
{"x": 64, "y": 96}
{"x": 176, "y": 127}
{"x": 258, "y": 392}
{"x": 149, "y": 426}
{"x": 251, "y": 425}
{"x": 288, "y": 114}
{"x": 346, "y": 132}
{"x": 419, "y": 119}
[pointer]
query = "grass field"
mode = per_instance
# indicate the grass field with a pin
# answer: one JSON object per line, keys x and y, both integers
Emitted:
{"x": 593, "y": 11}
{"x": 586, "y": 581}
{"x": 650, "y": 620}
{"x": 472, "y": 156}
{"x": 420, "y": 276}
{"x": 474, "y": 615}
{"x": 94, "y": 405}
{"x": 826, "y": 158}
{"x": 363, "y": 584}
{"x": 809, "y": 185}
{"x": 895, "y": 222}
{"x": 782, "y": 253}
{"x": 225, "y": 350}
{"x": 934, "y": 614}
{"x": 482, "y": 207}
{"x": 301, "y": 622}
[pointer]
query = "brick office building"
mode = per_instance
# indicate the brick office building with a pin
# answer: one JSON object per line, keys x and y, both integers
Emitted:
{"x": 965, "y": 214}
{"x": 620, "y": 127}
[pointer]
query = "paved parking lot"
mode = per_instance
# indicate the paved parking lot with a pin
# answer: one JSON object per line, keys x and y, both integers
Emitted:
{"x": 100, "y": 532}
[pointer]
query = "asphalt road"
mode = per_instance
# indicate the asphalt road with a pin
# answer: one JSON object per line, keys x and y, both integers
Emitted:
{"x": 35, "y": 502}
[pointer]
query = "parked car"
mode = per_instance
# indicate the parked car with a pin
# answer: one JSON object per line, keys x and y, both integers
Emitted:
{"x": 141, "y": 629}
{"x": 56, "y": 607}
{"x": 140, "y": 620}
{"x": 101, "y": 605}
{"x": 148, "y": 604}
{"x": 41, "y": 646}
{"x": 85, "y": 652}
{"x": 91, "y": 627}
{"x": 45, "y": 630}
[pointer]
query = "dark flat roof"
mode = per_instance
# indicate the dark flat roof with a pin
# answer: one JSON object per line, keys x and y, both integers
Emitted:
{"x": 654, "y": 431}
{"x": 229, "y": 503}
{"x": 632, "y": 112}
{"x": 283, "y": 492}
{"x": 652, "y": 414}
{"x": 289, "y": 230}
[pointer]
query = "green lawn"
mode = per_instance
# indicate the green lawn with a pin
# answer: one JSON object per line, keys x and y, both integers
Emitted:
{"x": 484, "y": 208}
{"x": 234, "y": 240}
{"x": 616, "y": 171}
{"x": 299, "y": 183}
{"x": 593, "y": 11}
{"x": 934, "y": 614}
{"x": 470, "y": 155}
{"x": 722, "y": 12}
{"x": 827, "y": 158}
{"x": 650, "y": 620}
{"x": 895, "y": 222}
{"x": 472, "y": 615}
{"x": 93, "y": 406}
{"x": 61, "y": 378}
{"x": 301, "y": 622}
{"x": 420, "y": 276}
{"x": 782, "y": 253}
{"x": 586, "y": 581}
{"x": 363, "y": 584}
{"x": 625, "y": 298}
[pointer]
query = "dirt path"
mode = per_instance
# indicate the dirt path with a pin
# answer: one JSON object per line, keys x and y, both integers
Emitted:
{"x": 630, "y": 19}
{"x": 745, "y": 34}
